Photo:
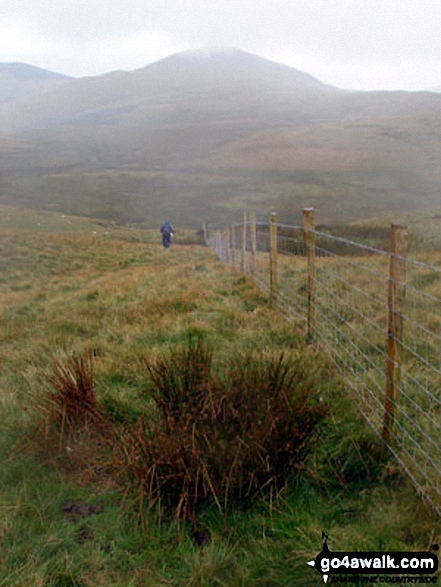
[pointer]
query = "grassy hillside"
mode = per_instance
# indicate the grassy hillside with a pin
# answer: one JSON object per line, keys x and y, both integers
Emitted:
{"x": 424, "y": 226}
{"x": 67, "y": 287}
{"x": 200, "y": 137}
{"x": 347, "y": 172}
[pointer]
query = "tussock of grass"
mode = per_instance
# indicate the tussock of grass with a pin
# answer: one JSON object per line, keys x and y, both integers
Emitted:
{"x": 74, "y": 419}
{"x": 72, "y": 394}
{"x": 224, "y": 437}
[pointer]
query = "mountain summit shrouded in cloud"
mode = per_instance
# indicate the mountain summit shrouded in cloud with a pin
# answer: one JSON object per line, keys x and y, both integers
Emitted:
{"x": 195, "y": 87}
{"x": 234, "y": 65}
{"x": 201, "y": 131}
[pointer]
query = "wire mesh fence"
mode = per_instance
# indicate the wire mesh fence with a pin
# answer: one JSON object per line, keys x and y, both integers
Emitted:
{"x": 377, "y": 315}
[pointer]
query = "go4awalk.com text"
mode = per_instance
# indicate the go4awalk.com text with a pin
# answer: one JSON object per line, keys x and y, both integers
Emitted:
{"x": 376, "y": 567}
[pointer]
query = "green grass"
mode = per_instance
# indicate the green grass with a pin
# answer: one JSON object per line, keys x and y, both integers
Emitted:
{"x": 123, "y": 297}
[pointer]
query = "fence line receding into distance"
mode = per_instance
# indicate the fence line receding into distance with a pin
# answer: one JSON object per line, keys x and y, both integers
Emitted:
{"x": 376, "y": 314}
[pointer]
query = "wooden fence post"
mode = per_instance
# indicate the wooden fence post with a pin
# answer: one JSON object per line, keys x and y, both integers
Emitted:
{"x": 274, "y": 219}
{"x": 253, "y": 242}
{"x": 244, "y": 243}
{"x": 396, "y": 298}
{"x": 309, "y": 237}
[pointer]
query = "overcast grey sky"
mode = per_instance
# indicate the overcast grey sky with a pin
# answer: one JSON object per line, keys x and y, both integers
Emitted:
{"x": 355, "y": 44}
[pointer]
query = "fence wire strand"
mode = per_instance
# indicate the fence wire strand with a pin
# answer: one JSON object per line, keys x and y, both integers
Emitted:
{"x": 351, "y": 306}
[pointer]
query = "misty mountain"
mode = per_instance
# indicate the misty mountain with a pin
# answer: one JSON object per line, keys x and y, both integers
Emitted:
{"x": 190, "y": 87}
{"x": 18, "y": 80}
{"x": 202, "y": 132}
{"x": 198, "y": 87}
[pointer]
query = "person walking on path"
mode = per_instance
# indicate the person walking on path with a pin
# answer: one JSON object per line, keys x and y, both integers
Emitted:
{"x": 167, "y": 233}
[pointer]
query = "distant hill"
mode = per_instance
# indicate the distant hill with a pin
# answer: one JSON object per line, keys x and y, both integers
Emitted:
{"x": 24, "y": 72}
{"x": 18, "y": 80}
{"x": 190, "y": 87}
{"x": 202, "y": 134}
{"x": 200, "y": 87}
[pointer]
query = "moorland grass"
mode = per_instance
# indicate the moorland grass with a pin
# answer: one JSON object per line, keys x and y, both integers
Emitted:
{"x": 77, "y": 294}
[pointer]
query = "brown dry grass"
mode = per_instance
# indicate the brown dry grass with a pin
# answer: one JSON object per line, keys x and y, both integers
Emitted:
{"x": 220, "y": 438}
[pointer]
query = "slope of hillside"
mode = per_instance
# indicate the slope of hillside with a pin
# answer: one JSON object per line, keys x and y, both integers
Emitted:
{"x": 187, "y": 87}
{"x": 202, "y": 134}
{"x": 424, "y": 225}
{"x": 67, "y": 519}
{"x": 360, "y": 169}
{"x": 199, "y": 87}
{"x": 18, "y": 80}
{"x": 347, "y": 172}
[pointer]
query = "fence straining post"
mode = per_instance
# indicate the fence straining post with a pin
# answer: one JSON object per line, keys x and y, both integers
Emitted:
{"x": 396, "y": 297}
{"x": 244, "y": 243}
{"x": 274, "y": 219}
{"x": 253, "y": 241}
{"x": 309, "y": 238}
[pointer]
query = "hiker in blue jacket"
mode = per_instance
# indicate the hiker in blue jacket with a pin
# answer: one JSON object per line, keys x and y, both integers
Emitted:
{"x": 167, "y": 233}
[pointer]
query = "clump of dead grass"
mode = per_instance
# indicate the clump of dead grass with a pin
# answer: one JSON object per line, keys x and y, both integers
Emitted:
{"x": 202, "y": 435}
{"x": 223, "y": 438}
{"x": 70, "y": 408}
{"x": 72, "y": 394}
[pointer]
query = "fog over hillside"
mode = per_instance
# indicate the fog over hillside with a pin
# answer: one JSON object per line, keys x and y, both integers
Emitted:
{"x": 189, "y": 134}
{"x": 18, "y": 80}
{"x": 188, "y": 87}
{"x": 192, "y": 87}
